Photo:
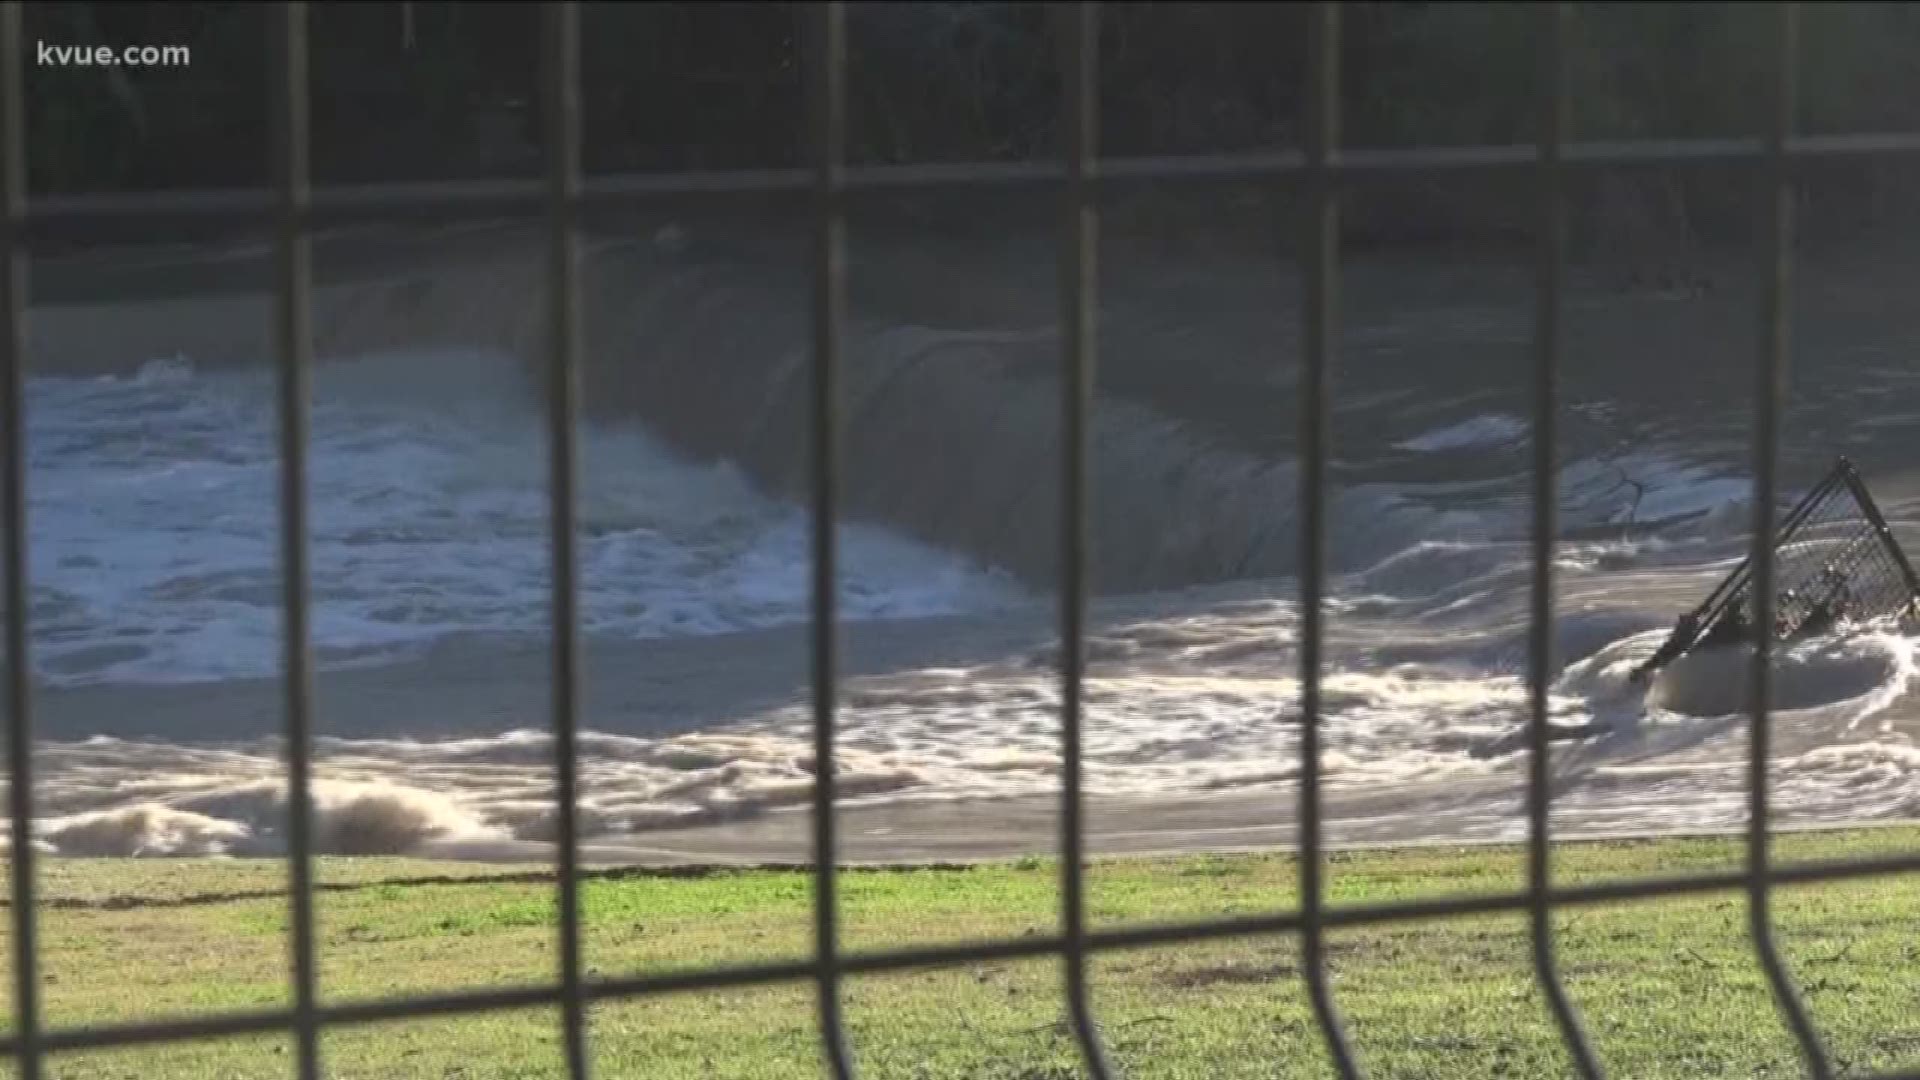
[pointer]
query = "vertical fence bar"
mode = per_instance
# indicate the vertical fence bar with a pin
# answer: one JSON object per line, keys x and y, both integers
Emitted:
{"x": 293, "y": 297}
{"x": 1079, "y": 265}
{"x": 561, "y": 68}
{"x": 827, "y": 86}
{"x": 1322, "y": 304}
{"x": 1552, "y": 186}
{"x": 1770, "y": 391}
{"x": 13, "y": 351}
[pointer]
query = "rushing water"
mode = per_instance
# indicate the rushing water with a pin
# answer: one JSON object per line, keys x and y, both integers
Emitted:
{"x": 156, "y": 601}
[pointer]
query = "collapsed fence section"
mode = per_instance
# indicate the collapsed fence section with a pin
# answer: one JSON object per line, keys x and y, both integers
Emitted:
{"x": 1321, "y": 168}
{"x": 1837, "y": 564}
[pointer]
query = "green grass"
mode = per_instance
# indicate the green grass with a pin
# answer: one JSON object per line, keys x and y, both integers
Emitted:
{"x": 1667, "y": 988}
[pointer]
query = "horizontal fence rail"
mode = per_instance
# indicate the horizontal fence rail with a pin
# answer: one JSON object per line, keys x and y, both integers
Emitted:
{"x": 1325, "y": 170}
{"x": 1343, "y": 917}
{"x": 57, "y": 219}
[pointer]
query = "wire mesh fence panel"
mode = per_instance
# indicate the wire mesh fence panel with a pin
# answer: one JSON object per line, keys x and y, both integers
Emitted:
{"x": 1831, "y": 558}
{"x": 1836, "y": 563}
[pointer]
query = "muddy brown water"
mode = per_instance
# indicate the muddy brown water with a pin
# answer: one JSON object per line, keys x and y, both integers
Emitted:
{"x": 698, "y": 745}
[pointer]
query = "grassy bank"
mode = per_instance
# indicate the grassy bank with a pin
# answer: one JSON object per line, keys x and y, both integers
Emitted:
{"x": 1668, "y": 988}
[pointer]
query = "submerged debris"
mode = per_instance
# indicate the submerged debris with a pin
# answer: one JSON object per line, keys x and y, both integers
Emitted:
{"x": 1835, "y": 563}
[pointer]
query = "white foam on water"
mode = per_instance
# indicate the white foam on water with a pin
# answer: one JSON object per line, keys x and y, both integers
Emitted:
{"x": 155, "y": 530}
{"x": 1646, "y": 484}
{"x": 1201, "y": 703}
{"x": 247, "y": 817}
{"x": 1866, "y": 671}
{"x": 1175, "y": 704}
{"x": 155, "y": 559}
{"x": 1493, "y": 429}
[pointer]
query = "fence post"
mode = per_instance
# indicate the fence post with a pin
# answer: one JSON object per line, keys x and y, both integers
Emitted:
{"x": 827, "y": 97}
{"x": 13, "y": 346}
{"x": 1769, "y": 391}
{"x": 1321, "y": 326}
{"x": 293, "y": 292}
{"x": 560, "y": 68}
{"x": 1078, "y": 23}
{"x": 1548, "y": 286}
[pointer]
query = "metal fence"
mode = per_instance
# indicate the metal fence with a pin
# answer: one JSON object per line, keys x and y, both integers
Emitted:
{"x": 1322, "y": 171}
